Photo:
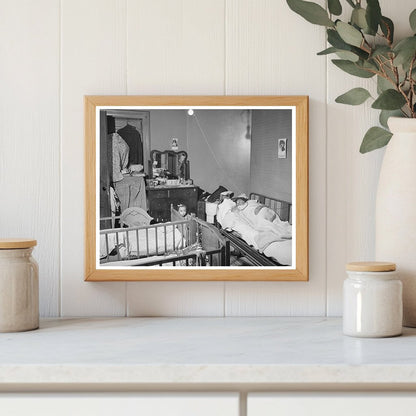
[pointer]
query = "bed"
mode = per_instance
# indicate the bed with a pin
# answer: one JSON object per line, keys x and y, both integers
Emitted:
{"x": 181, "y": 242}
{"x": 267, "y": 243}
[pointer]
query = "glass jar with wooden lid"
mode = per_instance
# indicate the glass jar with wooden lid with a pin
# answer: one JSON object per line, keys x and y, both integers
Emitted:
{"x": 19, "y": 286}
{"x": 372, "y": 300}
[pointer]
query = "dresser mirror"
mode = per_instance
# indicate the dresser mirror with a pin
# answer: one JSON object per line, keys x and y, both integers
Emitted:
{"x": 169, "y": 163}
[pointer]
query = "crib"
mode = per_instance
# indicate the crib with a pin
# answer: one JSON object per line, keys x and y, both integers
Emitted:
{"x": 181, "y": 242}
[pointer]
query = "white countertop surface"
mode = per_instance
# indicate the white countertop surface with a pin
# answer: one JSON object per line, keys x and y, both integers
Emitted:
{"x": 204, "y": 351}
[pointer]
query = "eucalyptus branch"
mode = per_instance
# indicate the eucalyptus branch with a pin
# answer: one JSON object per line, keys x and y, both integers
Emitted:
{"x": 406, "y": 97}
{"x": 412, "y": 85}
{"x": 385, "y": 75}
{"x": 366, "y": 40}
{"x": 395, "y": 71}
{"x": 366, "y": 43}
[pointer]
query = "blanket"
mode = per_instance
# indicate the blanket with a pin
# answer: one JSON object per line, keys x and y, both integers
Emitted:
{"x": 253, "y": 222}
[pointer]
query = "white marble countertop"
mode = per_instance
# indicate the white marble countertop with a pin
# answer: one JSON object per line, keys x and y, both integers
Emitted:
{"x": 204, "y": 351}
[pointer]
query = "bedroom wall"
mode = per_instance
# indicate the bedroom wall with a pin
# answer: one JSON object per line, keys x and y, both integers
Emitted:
{"x": 165, "y": 124}
{"x": 217, "y": 142}
{"x": 219, "y": 149}
{"x": 56, "y": 51}
{"x": 270, "y": 175}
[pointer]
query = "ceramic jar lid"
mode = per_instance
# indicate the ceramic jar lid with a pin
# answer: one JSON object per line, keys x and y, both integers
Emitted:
{"x": 371, "y": 266}
{"x": 13, "y": 243}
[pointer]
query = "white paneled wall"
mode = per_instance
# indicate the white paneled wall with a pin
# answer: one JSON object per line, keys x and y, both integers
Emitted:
{"x": 93, "y": 61}
{"x": 30, "y": 134}
{"x": 55, "y": 52}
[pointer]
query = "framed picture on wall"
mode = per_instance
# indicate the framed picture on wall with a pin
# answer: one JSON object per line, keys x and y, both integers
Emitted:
{"x": 189, "y": 188}
{"x": 282, "y": 148}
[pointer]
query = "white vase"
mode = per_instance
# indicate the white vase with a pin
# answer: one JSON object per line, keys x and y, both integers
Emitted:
{"x": 396, "y": 210}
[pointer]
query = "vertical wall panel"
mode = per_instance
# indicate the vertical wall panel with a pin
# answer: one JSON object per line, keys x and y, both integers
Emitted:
{"x": 352, "y": 177}
{"x": 175, "y": 47}
{"x": 272, "y": 51}
{"x": 29, "y": 139}
{"x": 93, "y": 62}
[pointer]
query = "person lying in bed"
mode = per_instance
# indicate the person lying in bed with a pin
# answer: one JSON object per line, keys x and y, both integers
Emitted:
{"x": 258, "y": 225}
{"x": 261, "y": 217}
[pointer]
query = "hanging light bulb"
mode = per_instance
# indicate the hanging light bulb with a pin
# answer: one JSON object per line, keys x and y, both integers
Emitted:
{"x": 190, "y": 112}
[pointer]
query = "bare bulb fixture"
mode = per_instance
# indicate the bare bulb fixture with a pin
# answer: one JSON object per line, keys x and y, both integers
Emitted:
{"x": 190, "y": 112}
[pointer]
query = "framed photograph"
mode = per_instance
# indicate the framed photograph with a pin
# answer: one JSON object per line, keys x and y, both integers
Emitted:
{"x": 282, "y": 148}
{"x": 189, "y": 188}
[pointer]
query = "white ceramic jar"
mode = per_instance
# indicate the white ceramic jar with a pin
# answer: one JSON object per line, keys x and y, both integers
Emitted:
{"x": 372, "y": 300}
{"x": 19, "y": 286}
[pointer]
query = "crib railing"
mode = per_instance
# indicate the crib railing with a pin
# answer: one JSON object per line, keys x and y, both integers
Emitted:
{"x": 206, "y": 258}
{"x": 202, "y": 241}
{"x": 183, "y": 226}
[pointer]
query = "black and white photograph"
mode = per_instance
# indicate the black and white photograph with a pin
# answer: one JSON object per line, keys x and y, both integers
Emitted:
{"x": 195, "y": 187}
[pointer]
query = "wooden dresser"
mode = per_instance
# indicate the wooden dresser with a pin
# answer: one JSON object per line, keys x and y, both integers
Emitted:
{"x": 160, "y": 198}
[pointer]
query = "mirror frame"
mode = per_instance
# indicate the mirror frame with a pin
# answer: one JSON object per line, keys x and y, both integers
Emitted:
{"x": 299, "y": 273}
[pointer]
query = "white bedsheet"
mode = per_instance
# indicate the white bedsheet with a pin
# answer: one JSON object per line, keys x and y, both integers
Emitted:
{"x": 273, "y": 238}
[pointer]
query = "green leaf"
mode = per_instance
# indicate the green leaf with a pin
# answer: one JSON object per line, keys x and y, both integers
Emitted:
{"x": 336, "y": 41}
{"x": 412, "y": 20}
{"x": 334, "y": 7}
{"x": 375, "y": 138}
{"x": 383, "y": 84}
{"x": 348, "y": 56}
{"x": 381, "y": 50}
{"x": 370, "y": 65}
{"x": 327, "y": 51}
{"x": 352, "y": 68}
{"x": 356, "y": 96}
{"x": 387, "y": 27}
{"x": 311, "y": 12}
{"x": 358, "y": 18}
{"x": 386, "y": 114}
{"x": 405, "y": 50}
{"x": 373, "y": 15}
{"x": 349, "y": 34}
{"x": 389, "y": 100}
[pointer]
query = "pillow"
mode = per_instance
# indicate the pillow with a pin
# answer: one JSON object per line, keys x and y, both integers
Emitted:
{"x": 224, "y": 208}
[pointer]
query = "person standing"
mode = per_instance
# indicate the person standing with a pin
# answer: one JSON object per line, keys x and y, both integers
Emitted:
{"x": 130, "y": 189}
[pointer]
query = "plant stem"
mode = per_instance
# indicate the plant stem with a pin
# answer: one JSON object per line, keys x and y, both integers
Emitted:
{"x": 412, "y": 86}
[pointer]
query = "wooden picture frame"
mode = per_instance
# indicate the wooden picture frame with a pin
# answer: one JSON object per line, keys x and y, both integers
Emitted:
{"x": 297, "y": 215}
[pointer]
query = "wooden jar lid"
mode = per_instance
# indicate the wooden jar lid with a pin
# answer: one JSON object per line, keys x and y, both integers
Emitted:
{"x": 371, "y": 266}
{"x": 11, "y": 243}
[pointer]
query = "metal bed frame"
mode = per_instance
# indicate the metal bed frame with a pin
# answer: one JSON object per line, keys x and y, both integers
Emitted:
{"x": 254, "y": 257}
